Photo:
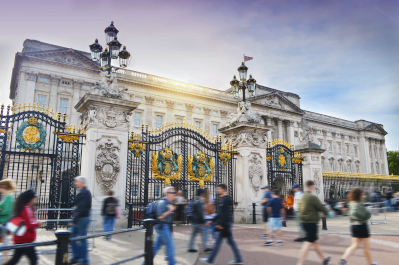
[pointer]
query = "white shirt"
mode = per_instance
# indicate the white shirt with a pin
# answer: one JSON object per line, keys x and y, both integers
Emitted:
{"x": 297, "y": 197}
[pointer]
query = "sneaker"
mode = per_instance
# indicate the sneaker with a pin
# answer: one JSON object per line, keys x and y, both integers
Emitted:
{"x": 207, "y": 250}
{"x": 374, "y": 263}
{"x": 192, "y": 250}
{"x": 264, "y": 236}
{"x": 279, "y": 243}
{"x": 268, "y": 243}
{"x": 235, "y": 262}
{"x": 72, "y": 262}
{"x": 299, "y": 239}
{"x": 205, "y": 261}
{"x": 327, "y": 261}
{"x": 341, "y": 262}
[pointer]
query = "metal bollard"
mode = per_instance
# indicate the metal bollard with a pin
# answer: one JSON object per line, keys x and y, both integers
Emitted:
{"x": 148, "y": 240}
{"x": 61, "y": 256}
{"x": 324, "y": 220}
{"x": 254, "y": 213}
{"x": 130, "y": 216}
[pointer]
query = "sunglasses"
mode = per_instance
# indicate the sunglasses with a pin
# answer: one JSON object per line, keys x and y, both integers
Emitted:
{"x": 172, "y": 192}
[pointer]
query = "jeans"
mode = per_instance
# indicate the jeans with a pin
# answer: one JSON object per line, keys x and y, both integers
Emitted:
{"x": 30, "y": 252}
{"x": 195, "y": 229}
{"x": 108, "y": 224}
{"x": 389, "y": 205}
{"x": 79, "y": 248}
{"x": 301, "y": 232}
{"x": 209, "y": 229}
{"x": 230, "y": 241}
{"x": 164, "y": 237}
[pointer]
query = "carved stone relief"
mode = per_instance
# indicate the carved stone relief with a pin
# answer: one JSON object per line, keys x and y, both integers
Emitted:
{"x": 307, "y": 131}
{"x": 255, "y": 172}
{"x": 170, "y": 104}
{"x": 315, "y": 158}
{"x": 107, "y": 163}
{"x": 189, "y": 107}
{"x": 107, "y": 116}
{"x": 317, "y": 180}
{"x": 31, "y": 76}
{"x": 247, "y": 138}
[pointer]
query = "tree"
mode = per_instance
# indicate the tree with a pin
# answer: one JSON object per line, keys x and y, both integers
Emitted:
{"x": 393, "y": 162}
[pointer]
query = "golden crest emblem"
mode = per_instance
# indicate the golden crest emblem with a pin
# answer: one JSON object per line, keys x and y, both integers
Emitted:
{"x": 166, "y": 165}
{"x": 200, "y": 168}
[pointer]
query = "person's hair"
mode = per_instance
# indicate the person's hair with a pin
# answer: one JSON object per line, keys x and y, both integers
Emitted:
{"x": 206, "y": 195}
{"x": 200, "y": 192}
{"x": 355, "y": 194}
{"x": 110, "y": 193}
{"x": 167, "y": 189}
{"x": 181, "y": 193}
{"x": 222, "y": 186}
{"x": 309, "y": 183}
{"x": 276, "y": 192}
{"x": 7, "y": 184}
{"x": 23, "y": 198}
{"x": 81, "y": 179}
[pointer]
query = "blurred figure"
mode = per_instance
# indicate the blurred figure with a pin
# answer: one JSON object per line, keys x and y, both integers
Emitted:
{"x": 7, "y": 188}
{"x": 359, "y": 216}
{"x": 297, "y": 197}
{"x": 309, "y": 208}
{"x": 24, "y": 209}
{"x": 267, "y": 195}
{"x": 210, "y": 214}
{"x": 276, "y": 212}
{"x": 109, "y": 213}
{"x": 388, "y": 202}
{"x": 330, "y": 210}
{"x": 80, "y": 223}
{"x": 180, "y": 202}
{"x": 223, "y": 221}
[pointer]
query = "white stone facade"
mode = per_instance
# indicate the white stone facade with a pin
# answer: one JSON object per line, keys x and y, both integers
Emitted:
{"x": 59, "y": 77}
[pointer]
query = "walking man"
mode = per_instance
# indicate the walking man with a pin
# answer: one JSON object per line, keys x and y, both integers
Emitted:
{"x": 297, "y": 196}
{"x": 223, "y": 225}
{"x": 164, "y": 211}
{"x": 80, "y": 223}
{"x": 267, "y": 195}
{"x": 276, "y": 212}
{"x": 198, "y": 222}
{"x": 309, "y": 208}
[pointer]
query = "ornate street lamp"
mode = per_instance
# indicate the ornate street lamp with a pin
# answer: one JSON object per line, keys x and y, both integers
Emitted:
{"x": 241, "y": 86}
{"x": 112, "y": 52}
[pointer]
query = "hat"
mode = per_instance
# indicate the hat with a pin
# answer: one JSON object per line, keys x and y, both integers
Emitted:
{"x": 265, "y": 187}
{"x": 296, "y": 186}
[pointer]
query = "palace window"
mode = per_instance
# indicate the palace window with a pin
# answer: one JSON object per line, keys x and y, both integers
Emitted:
{"x": 157, "y": 190}
{"x": 214, "y": 112}
{"x": 329, "y": 146}
{"x": 41, "y": 100}
{"x": 347, "y": 149}
{"x": 357, "y": 168}
{"x": 339, "y": 148}
{"x": 67, "y": 83}
{"x": 349, "y": 168}
{"x": 355, "y": 150}
{"x": 63, "y": 105}
{"x": 158, "y": 121}
{"x": 197, "y": 109}
{"x": 329, "y": 133}
{"x": 85, "y": 86}
{"x": 331, "y": 167}
{"x": 214, "y": 130}
{"x": 138, "y": 98}
{"x": 137, "y": 119}
{"x": 320, "y": 143}
{"x": 340, "y": 167}
{"x": 198, "y": 124}
{"x": 43, "y": 79}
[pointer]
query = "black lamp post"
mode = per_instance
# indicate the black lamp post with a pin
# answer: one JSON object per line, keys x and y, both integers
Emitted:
{"x": 243, "y": 84}
{"x": 112, "y": 52}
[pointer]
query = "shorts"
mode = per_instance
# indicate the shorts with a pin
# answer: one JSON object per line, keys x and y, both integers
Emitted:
{"x": 275, "y": 223}
{"x": 310, "y": 231}
{"x": 360, "y": 231}
{"x": 264, "y": 214}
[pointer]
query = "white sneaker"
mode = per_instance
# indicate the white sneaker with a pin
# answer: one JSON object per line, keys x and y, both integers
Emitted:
{"x": 205, "y": 260}
{"x": 279, "y": 243}
{"x": 234, "y": 262}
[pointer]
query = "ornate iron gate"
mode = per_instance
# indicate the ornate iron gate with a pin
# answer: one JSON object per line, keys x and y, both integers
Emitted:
{"x": 284, "y": 166}
{"x": 40, "y": 152}
{"x": 176, "y": 154}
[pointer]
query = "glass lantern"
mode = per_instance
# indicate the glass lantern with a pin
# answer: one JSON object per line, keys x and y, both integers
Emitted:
{"x": 251, "y": 84}
{"x": 114, "y": 47}
{"x": 234, "y": 85}
{"x": 110, "y": 32}
{"x": 95, "y": 49}
{"x": 242, "y": 70}
{"x": 236, "y": 95}
{"x": 124, "y": 58}
{"x": 104, "y": 59}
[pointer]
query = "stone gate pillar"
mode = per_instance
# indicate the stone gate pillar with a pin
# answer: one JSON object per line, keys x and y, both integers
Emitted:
{"x": 106, "y": 116}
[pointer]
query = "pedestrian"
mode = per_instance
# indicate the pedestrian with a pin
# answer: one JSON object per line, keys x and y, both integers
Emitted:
{"x": 388, "y": 202}
{"x": 7, "y": 188}
{"x": 198, "y": 221}
{"x": 223, "y": 222}
{"x": 179, "y": 203}
{"x": 210, "y": 214}
{"x": 164, "y": 212}
{"x": 358, "y": 215}
{"x": 297, "y": 196}
{"x": 267, "y": 195}
{"x": 309, "y": 208}
{"x": 110, "y": 212}
{"x": 80, "y": 223}
{"x": 276, "y": 212}
{"x": 23, "y": 209}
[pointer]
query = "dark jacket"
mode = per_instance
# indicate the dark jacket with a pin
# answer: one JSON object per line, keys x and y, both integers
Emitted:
{"x": 82, "y": 205}
{"x": 198, "y": 212}
{"x": 223, "y": 216}
{"x": 309, "y": 208}
{"x": 108, "y": 202}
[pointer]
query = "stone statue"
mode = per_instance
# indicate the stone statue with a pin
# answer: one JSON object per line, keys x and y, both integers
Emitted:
{"x": 307, "y": 131}
{"x": 245, "y": 114}
{"x": 107, "y": 87}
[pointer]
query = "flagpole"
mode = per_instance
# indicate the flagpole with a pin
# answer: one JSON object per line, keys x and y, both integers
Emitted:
{"x": 244, "y": 58}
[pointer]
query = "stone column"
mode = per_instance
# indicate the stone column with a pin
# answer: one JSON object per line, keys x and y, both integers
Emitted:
{"x": 170, "y": 104}
{"x": 384, "y": 157}
{"x": 291, "y": 137}
{"x": 280, "y": 129}
{"x": 149, "y": 115}
{"x": 53, "y": 100}
{"x": 269, "y": 133}
{"x": 73, "y": 115}
{"x": 29, "y": 95}
{"x": 364, "y": 154}
{"x": 372, "y": 158}
{"x": 311, "y": 166}
{"x": 189, "y": 113}
{"x": 207, "y": 121}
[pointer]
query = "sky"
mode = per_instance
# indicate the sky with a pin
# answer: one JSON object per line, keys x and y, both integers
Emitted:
{"x": 340, "y": 57}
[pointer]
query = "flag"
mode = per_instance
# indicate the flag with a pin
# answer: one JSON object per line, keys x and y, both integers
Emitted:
{"x": 247, "y": 58}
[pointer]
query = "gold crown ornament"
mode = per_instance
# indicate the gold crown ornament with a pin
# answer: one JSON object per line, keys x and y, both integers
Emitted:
{"x": 32, "y": 120}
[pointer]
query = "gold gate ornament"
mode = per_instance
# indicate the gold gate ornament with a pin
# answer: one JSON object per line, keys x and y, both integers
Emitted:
{"x": 200, "y": 168}
{"x": 166, "y": 165}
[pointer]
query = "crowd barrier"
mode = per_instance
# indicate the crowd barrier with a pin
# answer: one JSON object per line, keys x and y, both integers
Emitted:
{"x": 377, "y": 209}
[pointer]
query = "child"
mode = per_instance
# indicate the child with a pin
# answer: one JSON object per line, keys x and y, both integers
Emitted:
{"x": 276, "y": 214}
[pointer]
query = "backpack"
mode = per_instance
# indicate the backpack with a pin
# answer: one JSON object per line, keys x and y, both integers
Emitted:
{"x": 151, "y": 210}
{"x": 110, "y": 208}
{"x": 189, "y": 209}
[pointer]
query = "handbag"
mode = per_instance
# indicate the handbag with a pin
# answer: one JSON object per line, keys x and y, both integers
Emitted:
{"x": 16, "y": 225}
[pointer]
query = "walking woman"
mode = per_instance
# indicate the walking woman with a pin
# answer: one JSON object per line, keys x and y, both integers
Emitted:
{"x": 210, "y": 214}
{"x": 24, "y": 209}
{"x": 358, "y": 216}
{"x": 7, "y": 188}
{"x": 180, "y": 202}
